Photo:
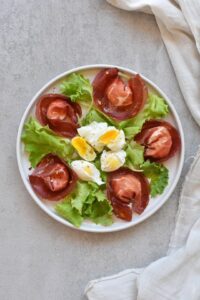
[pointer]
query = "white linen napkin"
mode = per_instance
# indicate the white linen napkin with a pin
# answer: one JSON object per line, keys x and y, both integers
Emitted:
{"x": 176, "y": 276}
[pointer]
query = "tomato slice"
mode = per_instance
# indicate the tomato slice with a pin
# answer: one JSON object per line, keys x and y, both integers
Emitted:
{"x": 160, "y": 139}
{"x": 59, "y": 113}
{"x": 52, "y": 179}
{"x": 116, "y": 98}
{"x": 127, "y": 191}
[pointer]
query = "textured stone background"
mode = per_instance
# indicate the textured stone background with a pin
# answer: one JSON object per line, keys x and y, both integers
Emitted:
{"x": 40, "y": 258}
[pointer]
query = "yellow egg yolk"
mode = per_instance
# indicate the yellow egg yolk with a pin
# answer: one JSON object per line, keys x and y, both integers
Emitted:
{"x": 108, "y": 137}
{"x": 83, "y": 148}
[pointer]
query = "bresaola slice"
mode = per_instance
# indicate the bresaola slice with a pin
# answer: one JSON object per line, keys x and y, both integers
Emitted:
{"x": 52, "y": 179}
{"x": 128, "y": 192}
{"x": 160, "y": 139}
{"x": 116, "y": 98}
{"x": 59, "y": 113}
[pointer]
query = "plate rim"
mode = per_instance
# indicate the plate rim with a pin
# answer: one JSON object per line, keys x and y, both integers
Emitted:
{"x": 37, "y": 199}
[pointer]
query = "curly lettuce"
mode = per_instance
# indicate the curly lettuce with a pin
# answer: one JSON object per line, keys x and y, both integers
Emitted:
{"x": 97, "y": 116}
{"x": 134, "y": 155}
{"x": 158, "y": 175}
{"x": 40, "y": 141}
{"x": 69, "y": 213}
{"x": 77, "y": 88}
{"x": 87, "y": 201}
{"x": 155, "y": 108}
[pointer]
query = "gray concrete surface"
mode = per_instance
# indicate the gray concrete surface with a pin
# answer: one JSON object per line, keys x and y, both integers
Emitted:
{"x": 40, "y": 258}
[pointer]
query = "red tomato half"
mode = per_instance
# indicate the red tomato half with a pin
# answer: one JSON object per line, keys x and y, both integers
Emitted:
{"x": 59, "y": 113}
{"x": 116, "y": 98}
{"x": 52, "y": 179}
{"x": 127, "y": 191}
{"x": 160, "y": 139}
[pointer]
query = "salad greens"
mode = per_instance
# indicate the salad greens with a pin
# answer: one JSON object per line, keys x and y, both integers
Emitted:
{"x": 158, "y": 175}
{"x": 97, "y": 116}
{"x": 134, "y": 155}
{"x": 156, "y": 107}
{"x": 97, "y": 164}
{"x": 40, "y": 141}
{"x": 69, "y": 213}
{"x": 77, "y": 88}
{"x": 87, "y": 201}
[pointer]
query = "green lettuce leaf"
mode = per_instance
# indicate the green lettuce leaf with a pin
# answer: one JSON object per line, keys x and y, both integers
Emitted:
{"x": 87, "y": 201}
{"x": 158, "y": 175}
{"x": 95, "y": 115}
{"x": 97, "y": 164}
{"x": 80, "y": 195}
{"x": 99, "y": 209}
{"x": 77, "y": 88}
{"x": 155, "y": 108}
{"x": 40, "y": 141}
{"x": 69, "y": 213}
{"x": 133, "y": 126}
{"x": 101, "y": 212}
{"x": 134, "y": 155}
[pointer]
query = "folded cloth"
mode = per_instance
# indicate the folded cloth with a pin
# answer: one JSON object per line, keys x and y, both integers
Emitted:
{"x": 176, "y": 276}
{"x": 179, "y": 24}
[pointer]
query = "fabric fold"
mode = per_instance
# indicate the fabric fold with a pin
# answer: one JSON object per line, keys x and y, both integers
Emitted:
{"x": 122, "y": 286}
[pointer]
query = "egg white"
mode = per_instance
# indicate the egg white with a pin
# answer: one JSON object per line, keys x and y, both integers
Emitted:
{"x": 111, "y": 161}
{"x": 86, "y": 171}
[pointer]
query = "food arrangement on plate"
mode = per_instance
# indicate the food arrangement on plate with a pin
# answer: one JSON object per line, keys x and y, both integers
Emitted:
{"x": 98, "y": 149}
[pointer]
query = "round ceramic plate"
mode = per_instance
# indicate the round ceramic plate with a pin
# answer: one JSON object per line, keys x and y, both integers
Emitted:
{"x": 174, "y": 164}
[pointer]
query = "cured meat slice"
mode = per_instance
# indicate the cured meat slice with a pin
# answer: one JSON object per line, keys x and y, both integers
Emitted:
{"x": 52, "y": 179}
{"x": 116, "y": 98}
{"x": 160, "y": 139}
{"x": 127, "y": 191}
{"x": 59, "y": 113}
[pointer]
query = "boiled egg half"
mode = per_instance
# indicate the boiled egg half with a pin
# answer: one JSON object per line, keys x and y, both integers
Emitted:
{"x": 113, "y": 138}
{"x": 86, "y": 171}
{"x": 83, "y": 148}
{"x": 111, "y": 161}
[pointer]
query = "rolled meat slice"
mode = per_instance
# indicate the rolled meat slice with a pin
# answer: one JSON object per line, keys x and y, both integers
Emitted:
{"x": 52, "y": 179}
{"x": 116, "y": 98}
{"x": 160, "y": 139}
{"x": 127, "y": 191}
{"x": 59, "y": 113}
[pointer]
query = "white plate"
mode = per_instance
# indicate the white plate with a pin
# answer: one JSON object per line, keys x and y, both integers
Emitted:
{"x": 174, "y": 165}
